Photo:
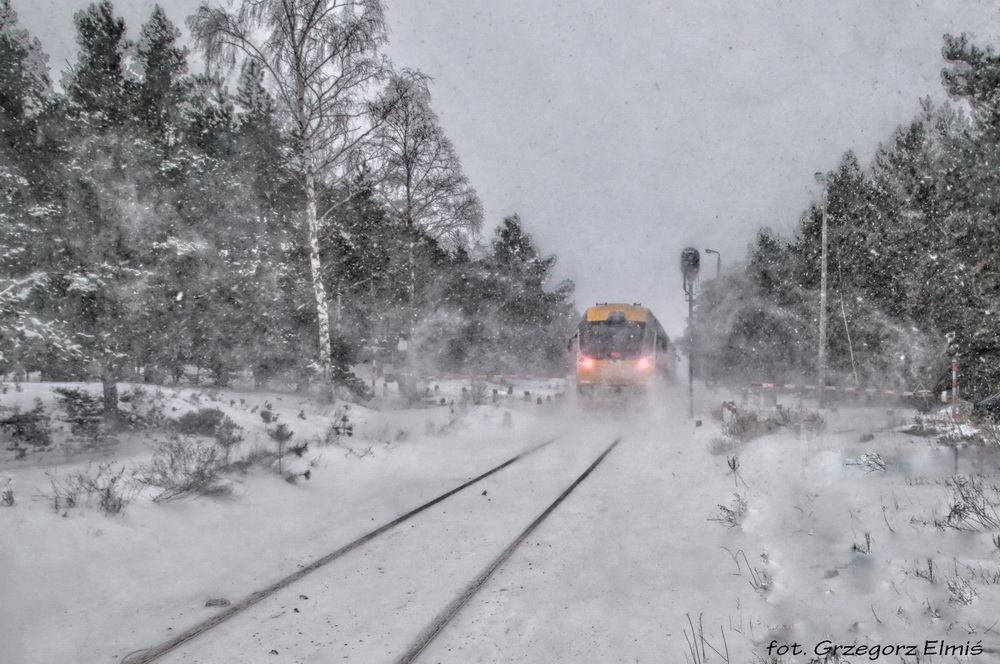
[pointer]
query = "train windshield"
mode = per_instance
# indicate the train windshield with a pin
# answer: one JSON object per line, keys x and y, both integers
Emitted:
{"x": 612, "y": 340}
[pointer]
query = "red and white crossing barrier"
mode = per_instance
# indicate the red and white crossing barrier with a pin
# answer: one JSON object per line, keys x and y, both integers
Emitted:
{"x": 487, "y": 377}
{"x": 834, "y": 388}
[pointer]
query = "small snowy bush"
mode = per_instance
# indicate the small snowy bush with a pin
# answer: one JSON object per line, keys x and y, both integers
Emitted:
{"x": 340, "y": 427}
{"x": 99, "y": 487}
{"x": 744, "y": 425}
{"x": 211, "y": 422}
{"x": 962, "y": 592}
{"x": 258, "y": 456}
{"x": 227, "y": 437}
{"x": 732, "y": 515}
{"x": 478, "y": 392}
{"x": 202, "y": 422}
{"x": 281, "y": 434}
{"x": 139, "y": 408}
{"x": 974, "y": 506}
{"x": 26, "y": 431}
{"x": 84, "y": 411}
{"x": 85, "y": 416}
{"x": 181, "y": 468}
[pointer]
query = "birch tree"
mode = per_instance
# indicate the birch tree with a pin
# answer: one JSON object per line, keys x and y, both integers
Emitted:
{"x": 422, "y": 176}
{"x": 323, "y": 63}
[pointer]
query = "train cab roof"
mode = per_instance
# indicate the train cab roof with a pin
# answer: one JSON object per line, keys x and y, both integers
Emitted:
{"x": 633, "y": 312}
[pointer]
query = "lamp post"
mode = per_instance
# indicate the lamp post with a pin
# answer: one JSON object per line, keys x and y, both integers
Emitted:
{"x": 821, "y": 354}
{"x": 718, "y": 261}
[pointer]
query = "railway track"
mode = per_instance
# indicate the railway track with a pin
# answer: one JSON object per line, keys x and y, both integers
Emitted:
{"x": 432, "y": 629}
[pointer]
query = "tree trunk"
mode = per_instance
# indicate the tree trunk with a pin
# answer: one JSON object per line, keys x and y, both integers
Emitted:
{"x": 340, "y": 307}
{"x": 110, "y": 385}
{"x": 413, "y": 275}
{"x": 220, "y": 374}
{"x": 315, "y": 265}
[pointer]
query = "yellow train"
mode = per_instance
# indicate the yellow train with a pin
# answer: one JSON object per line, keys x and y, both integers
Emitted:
{"x": 621, "y": 347}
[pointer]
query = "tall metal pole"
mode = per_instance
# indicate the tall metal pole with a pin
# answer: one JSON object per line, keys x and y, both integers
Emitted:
{"x": 690, "y": 300}
{"x": 821, "y": 355}
{"x": 690, "y": 264}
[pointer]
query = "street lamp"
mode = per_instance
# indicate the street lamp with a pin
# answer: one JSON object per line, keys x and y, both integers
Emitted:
{"x": 718, "y": 261}
{"x": 821, "y": 359}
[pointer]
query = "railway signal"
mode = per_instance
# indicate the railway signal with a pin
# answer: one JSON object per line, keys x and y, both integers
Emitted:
{"x": 690, "y": 264}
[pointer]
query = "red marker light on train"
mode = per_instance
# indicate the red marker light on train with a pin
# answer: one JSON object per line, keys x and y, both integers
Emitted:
{"x": 644, "y": 363}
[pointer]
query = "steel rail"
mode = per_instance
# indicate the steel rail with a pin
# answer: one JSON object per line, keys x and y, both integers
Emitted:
{"x": 443, "y": 618}
{"x": 145, "y": 656}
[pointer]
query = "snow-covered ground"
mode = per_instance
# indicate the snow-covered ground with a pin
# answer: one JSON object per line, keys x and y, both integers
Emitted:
{"x": 683, "y": 545}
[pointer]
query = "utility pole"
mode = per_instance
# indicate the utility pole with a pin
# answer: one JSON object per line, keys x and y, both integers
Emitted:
{"x": 690, "y": 263}
{"x": 821, "y": 354}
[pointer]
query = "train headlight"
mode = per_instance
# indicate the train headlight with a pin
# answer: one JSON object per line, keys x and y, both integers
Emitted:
{"x": 586, "y": 362}
{"x": 644, "y": 364}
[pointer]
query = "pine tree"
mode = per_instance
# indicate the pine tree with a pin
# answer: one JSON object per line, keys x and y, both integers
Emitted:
{"x": 973, "y": 75}
{"x": 98, "y": 83}
{"x": 161, "y": 65}
{"x": 495, "y": 313}
{"x": 102, "y": 175}
{"x": 25, "y": 93}
{"x": 24, "y": 84}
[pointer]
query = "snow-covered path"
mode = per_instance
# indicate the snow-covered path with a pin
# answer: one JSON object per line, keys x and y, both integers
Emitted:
{"x": 612, "y": 576}
{"x": 608, "y": 577}
{"x": 371, "y": 604}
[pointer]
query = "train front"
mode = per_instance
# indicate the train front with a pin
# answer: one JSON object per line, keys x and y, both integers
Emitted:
{"x": 620, "y": 348}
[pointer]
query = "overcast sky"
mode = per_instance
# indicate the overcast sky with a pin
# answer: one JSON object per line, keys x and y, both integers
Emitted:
{"x": 623, "y": 131}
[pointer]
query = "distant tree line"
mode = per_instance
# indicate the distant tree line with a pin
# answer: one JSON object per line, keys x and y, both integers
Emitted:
{"x": 914, "y": 257}
{"x": 156, "y": 223}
